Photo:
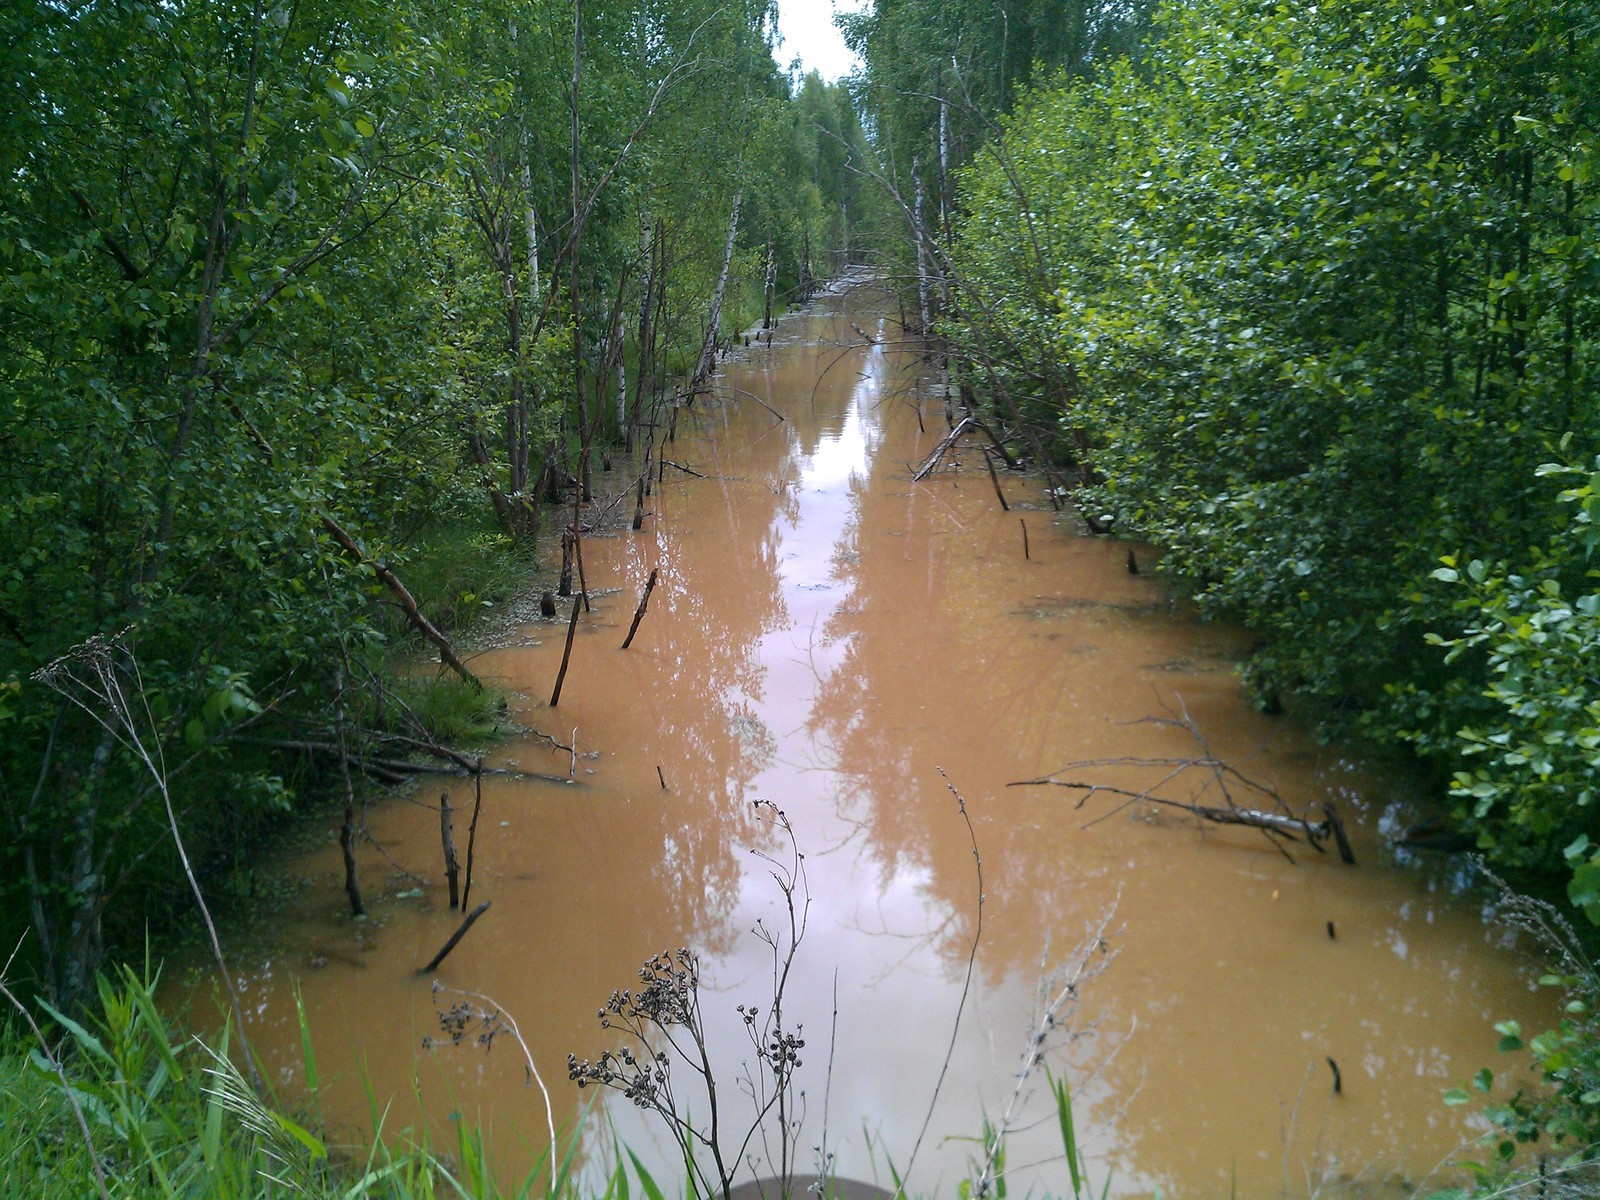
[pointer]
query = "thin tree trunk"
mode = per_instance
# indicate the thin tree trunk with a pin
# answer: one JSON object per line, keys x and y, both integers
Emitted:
{"x": 578, "y": 213}
{"x": 84, "y": 944}
{"x": 530, "y": 222}
{"x": 772, "y": 274}
{"x": 619, "y": 357}
{"x": 922, "y": 255}
{"x": 944, "y": 162}
{"x": 708, "y": 348}
{"x": 408, "y": 602}
{"x": 452, "y": 867}
{"x": 648, "y": 247}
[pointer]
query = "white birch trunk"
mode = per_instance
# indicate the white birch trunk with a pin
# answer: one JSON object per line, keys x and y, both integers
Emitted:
{"x": 922, "y": 254}
{"x": 708, "y": 350}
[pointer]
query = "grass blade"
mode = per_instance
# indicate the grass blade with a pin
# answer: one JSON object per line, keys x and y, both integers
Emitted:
{"x": 1069, "y": 1132}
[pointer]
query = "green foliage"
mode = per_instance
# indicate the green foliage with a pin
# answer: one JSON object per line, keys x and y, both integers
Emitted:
{"x": 938, "y": 74}
{"x": 262, "y": 265}
{"x": 167, "y": 1116}
{"x": 1533, "y": 770}
{"x": 201, "y": 352}
{"x": 450, "y": 709}
{"x": 1308, "y": 296}
{"x": 1561, "y": 1122}
{"x": 170, "y": 1116}
{"x": 460, "y": 572}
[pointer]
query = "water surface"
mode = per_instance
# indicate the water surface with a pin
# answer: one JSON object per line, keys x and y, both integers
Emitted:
{"x": 858, "y": 649}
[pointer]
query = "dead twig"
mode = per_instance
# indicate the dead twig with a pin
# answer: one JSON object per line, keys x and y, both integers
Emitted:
{"x": 494, "y": 1018}
{"x": 748, "y": 396}
{"x": 966, "y": 425}
{"x": 966, "y": 986}
{"x": 1265, "y": 811}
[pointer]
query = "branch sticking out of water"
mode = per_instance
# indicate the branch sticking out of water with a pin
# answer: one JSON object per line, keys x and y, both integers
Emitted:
{"x": 644, "y": 602}
{"x": 444, "y": 951}
{"x": 1276, "y": 821}
{"x": 739, "y": 391}
{"x": 452, "y": 868}
{"x": 946, "y": 444}
{"x": 995, "y": 479}
{"x": 566, "y": 655}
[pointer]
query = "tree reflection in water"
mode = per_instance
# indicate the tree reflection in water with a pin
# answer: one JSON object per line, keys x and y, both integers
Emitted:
{"x": 828, "y": 636}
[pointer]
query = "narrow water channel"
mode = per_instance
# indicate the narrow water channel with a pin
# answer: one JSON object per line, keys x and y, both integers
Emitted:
{"x": 856, "y": 648}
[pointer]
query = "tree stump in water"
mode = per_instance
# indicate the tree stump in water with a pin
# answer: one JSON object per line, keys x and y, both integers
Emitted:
{"x": 564, "y": 587}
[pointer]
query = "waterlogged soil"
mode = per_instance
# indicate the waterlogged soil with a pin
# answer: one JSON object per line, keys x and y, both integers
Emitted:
{"x": 861, "y": 650}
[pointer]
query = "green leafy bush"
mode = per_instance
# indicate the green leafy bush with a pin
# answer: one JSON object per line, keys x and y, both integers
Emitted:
{"x": 1531, "y": 775}
{"x": 1546, "y": 1142}
{"x": 1308, "y": 296}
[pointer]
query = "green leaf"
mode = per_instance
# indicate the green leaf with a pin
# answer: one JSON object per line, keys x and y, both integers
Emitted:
{"x": 84, "y": 1039}
{"x": 300, "y": 1134}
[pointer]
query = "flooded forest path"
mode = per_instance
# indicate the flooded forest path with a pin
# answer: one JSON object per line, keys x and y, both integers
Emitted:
{"x": 834, "y": 638}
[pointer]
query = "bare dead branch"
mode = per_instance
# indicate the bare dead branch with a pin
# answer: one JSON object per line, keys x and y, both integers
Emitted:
{"x": 1267, "y": 812}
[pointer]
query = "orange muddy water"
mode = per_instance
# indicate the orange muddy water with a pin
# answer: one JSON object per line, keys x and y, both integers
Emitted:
{"x": 857, "y": 648}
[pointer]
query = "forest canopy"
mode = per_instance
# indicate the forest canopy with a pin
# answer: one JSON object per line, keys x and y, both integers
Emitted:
{"x": 289, "y": 292}
{"x": 1305, "y": 295}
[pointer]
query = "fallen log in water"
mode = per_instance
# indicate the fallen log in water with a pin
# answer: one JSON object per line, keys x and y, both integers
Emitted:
{"x": 1282, "y": 824}
{"x": 1277, "y": 822}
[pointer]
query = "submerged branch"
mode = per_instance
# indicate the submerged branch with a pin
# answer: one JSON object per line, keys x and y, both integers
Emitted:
{"x": 1269, "y": 813}
{"x": 398, "y": 770}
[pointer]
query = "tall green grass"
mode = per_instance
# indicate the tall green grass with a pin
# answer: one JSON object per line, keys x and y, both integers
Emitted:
{"x": 169, "y": 1117}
